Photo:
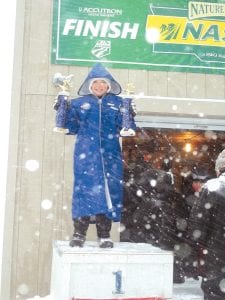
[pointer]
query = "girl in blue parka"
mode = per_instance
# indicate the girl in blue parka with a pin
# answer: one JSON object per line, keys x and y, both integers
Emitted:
{"x": 96, "y": 119}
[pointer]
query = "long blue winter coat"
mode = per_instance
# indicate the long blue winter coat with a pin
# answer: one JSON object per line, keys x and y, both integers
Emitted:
{"x": 97, "y": 165}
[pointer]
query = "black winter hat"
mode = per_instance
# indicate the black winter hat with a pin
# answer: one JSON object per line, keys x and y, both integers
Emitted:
{"x": 200, "y": 173}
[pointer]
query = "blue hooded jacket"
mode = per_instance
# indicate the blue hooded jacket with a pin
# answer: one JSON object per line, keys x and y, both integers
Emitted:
{"x": 98, "y": 168}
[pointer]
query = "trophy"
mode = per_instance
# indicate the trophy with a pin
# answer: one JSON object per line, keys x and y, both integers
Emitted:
{"x": 61, "y": 103}
{"x": 127, "y": 112}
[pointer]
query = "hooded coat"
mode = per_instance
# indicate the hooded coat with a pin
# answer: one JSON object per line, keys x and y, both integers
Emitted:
{"x": 98, "y": 169}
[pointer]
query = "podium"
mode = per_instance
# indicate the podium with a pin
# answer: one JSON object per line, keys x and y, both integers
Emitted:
{"x": 128, "y": 271}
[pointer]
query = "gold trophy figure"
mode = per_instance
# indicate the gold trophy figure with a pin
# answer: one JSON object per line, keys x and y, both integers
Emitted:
{"x": 127, "y": 112}
{"x": 62, "y": 101}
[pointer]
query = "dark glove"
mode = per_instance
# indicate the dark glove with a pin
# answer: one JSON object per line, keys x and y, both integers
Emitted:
{"x": 56, "y": 104}
{"x": 57, "y": 100}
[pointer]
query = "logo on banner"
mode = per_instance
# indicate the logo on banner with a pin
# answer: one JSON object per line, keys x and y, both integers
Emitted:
{"x": 198, "y": 10}
{"x": 201, "y": 24}
{"x": 101, "y": 49}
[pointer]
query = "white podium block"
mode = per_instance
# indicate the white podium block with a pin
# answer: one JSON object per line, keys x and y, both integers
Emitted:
{"x": 127, "y": 271}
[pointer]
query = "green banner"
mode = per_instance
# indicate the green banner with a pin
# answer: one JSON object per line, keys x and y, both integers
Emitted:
{"x": 174, "y": 35}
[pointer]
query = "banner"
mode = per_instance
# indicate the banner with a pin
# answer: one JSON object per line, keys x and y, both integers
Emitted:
{"x": 185, "y": 36}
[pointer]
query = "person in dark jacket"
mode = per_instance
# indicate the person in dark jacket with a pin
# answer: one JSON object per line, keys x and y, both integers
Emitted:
{"x": 200, "y": 174}
{"x": 146, "y": 191}
{"x": 173, "y": 232}
{"x": 155, "y": 213}
{"x": 131, "y": 200}
{"x": 207, "y": 228}
{"x": 96, "y": 119}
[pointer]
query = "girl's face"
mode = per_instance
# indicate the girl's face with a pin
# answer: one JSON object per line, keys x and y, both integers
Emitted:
{"x": 197, "y": 186}
{"x": 99, "y": 88}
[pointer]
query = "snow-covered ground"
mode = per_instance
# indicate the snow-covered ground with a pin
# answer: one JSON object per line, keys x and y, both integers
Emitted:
{"x": 190, "y": 290}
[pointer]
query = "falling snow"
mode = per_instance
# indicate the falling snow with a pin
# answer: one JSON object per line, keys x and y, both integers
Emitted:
{"x": 32, "y": 165}
{"x": 190, "y": 290}
{"x": 46, "y": 204}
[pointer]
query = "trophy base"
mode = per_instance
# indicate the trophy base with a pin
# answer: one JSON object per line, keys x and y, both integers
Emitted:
{"x": 127, "y": 132}
{"x": 60, "y": 130}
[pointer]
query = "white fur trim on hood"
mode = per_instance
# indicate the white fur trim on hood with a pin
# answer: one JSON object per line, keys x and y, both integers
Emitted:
{"x": 99, "y": 71}
{"x": 100, "y": 78}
